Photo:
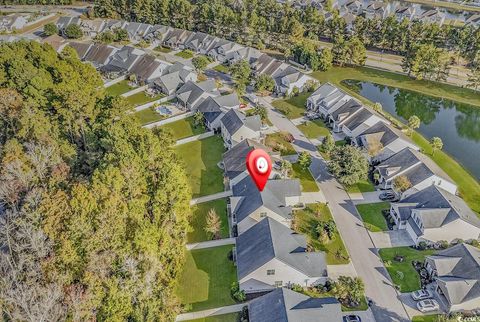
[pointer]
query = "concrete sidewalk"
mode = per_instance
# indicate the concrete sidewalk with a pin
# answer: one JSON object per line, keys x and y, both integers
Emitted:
{"x": 215, "y": 196}
{"x": 210, "y": 312}
{"x": 211, "y": 243}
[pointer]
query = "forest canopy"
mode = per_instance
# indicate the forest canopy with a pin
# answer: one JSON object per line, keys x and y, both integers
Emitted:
{"x": 93, "y": 208}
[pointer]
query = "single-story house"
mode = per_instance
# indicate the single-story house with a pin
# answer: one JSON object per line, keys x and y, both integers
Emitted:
{"x": 457, "y": 276}
{"x": 174, "y": 76}
{"x": 249, "y": 205}
{"x": 326, "y": 99}
{"x": 156, "y": 34}
{"x": 176, "y": 38}
{"x": 382, "y": 141}
{"x": 434, "y": 214}
{"x": 99, "y": 54}
{"x": 13, "y": 22}
{"x": 405, "y": 12}
{"x": 473, "y": 20}
{"x": 123, "y": 60}
{"x": 92, "y": 27}
{"x": 81, "y": 48}
{"x": 288, "y": 79}
{"x": 337, "y": 116}
{"x": 359, "y": 122}
{"x": 214, "y": 108}
{"x": 420, "y": 170}
{"x": 377, "y": 9}
{"x": 191, "y": 94}
{"x": 285, "y": 305}
{"x": 136, "y": 31}
{"x": 248, "y": 54}
{"x": 270, "y": 255}
{"x": 236, "y": 127}
{"x": 65, "y": 21}
{"x": 234, "y": 164}
{"x": 432, "y": 16}
{"x": 147, "y": 68}
{"x": 57, "y": 42}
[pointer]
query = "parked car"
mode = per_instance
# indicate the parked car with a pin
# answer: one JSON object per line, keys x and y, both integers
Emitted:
{"x": 421, "y": 295}
{"x": 352, "y": 318}
{"x": 388, "y": 196}
{"x": 428, "y": 306}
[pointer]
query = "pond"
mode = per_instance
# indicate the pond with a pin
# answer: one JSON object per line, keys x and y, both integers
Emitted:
{"x": 457, "y": 124}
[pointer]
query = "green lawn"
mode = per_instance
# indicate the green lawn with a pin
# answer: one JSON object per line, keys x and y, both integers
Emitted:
{"x": 187, "y": 54}
{"x": 306, "y": 179}
{"x": 403, "y": 273}
{"x": 314, "y": 129}
{"x": 293, "y": 107}
{"x": 278, "y": 143}
{"x": 363, "y": 306}
{"x": 184, "y": 128}
{"x": 361, "y": 186}
{"x": 469, "y": 187}
{"x": 305, "y": 222}
{"x": 119, "y": 88}
{"x": 148, "y": 115}
{"x": 200, "y": 159}
{"x": 372, "y": 215}
{"x": 198, "y": 220}
{"x": 142, "y": 98}
{"x": 426, "y": 318}
{"x": 232, "y": 317}
{"x": 206, "y": 279}
{"x": 222, "y": 69}
{"x": 162, "y": 49}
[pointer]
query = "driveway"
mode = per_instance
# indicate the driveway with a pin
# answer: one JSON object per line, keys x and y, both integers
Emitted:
{"x": 366, "y": 197}
{"x": 392, "y": 238}
{"x": 368, "y": 265}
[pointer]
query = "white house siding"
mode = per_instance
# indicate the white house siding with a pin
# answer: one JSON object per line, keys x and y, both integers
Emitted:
{"x": 283, "y": 272}
{"x": 412, "y": 234}
{"x": 466, "y": 306}
{"x": 300, "y": 83}
{"x": 451, "y": 231}
{"x": 244, "y": 133}
{"x": 433, "y": 180}
{"x": 256, "y": 216}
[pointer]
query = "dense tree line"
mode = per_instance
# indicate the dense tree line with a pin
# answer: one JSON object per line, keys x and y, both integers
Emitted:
{"x": 36, "y": 2}
{"x": 93, "y": 208}
{"x": 267, "y": 23}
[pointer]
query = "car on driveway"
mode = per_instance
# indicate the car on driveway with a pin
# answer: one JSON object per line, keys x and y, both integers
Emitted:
{"x": 428, "y": 306}
{"x": 352, "y": 318}
{"x": 421, "y": 295}
{"x": 388, "y": 196}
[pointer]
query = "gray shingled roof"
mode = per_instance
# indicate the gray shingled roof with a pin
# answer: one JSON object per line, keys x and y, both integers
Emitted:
{"x": 145, "y": 66}
{"x": 269, "y": 239}
{"x": 383, "y": 133}
{"x": 233, "y": 120}
{"x": 284, "y": 305}
{"x": 229, "y": 101}
{"x": 272, "y": 196}
{"x": 191, "y": 91}
{"x": 99, "y": 53}
{"x": 357, "y": 120}
{"x": 347, "y": 109}
{"x": 234, "y": 160}
{"x": 458, "y": 270}
{"x": 123, "y": 59}
{"x": 210, "y": 109}
{"x": 437, "y": 207}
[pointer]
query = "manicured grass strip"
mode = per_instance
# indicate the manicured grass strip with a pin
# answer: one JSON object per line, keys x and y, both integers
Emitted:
{"x": 306, "y": 180}
{"x": 206, "y": 279}
{"x": 200, "y": 160}
{"x": 306, "y": 221}
{"x": 232, "y": 317}
{"x": 142, "y": 98}
{"x": 361, "y": 186}
{"x": 184, "y": 128}
{"x": 221, "y": 69}
{"x": 372, "y": 215}
{"x": 293, "y": 107}
{"x": 119, "y": 88}
{"x": 468, "y": 186}
{"x": 278, "y": 143}
{"x": 162, "y": 49}
{"x": 403, "y": 273}
{"x": 148, "y": 115}
{"x": 198, "y": 220}
{"x": 314, "y": 129}
{"x": 336, "y": 75}
{"x": 187, "y": 54}
{"x": 426, "y": 318}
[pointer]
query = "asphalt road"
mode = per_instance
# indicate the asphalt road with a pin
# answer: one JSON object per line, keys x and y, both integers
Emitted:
{"x": 368, "y": 265}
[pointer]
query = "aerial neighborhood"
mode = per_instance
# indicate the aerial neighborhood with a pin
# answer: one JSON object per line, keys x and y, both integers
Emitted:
{"x": 124, "y": 180}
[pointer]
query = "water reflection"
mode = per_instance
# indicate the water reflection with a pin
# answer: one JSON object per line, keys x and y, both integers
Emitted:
{"x": 457, "y": 124}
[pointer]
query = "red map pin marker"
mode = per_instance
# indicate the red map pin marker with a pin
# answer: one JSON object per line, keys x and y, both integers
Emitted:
{"x": 259, "y": 166}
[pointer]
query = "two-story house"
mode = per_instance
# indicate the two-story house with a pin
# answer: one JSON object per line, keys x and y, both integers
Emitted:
{"x": 236, "y": 127}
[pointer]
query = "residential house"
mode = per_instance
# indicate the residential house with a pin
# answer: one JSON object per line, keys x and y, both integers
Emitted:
{"x": 349, "y": 19}
{"x": 326, "y": 99}
{"x": 212, "y": 114}
{"x": 285, "y": 305}
{"x": 249, "y": 205}
{"x": 122, "y": 61}
{"x": 288, "y": 79}
{"x": 92, "y": 28}
{"x": 147, "y": 68}
{"x": 65, "y": 21}
{"x": 81, "y": 48}
{"x": 339, "y": 115}
{"x": 434, "y": 214}
{"x": 234, "y": 164}
{"x": 228, "y": 101}
{"x": 191, "y": 94}
{"x": 248, "y": 54}
{"x": 13, "y": 22}
{"x": 377, "y": 9}
{"x": 457, "y": 276}
{"x": 99, "y": 54}
{"x": 111, "y": 25}
{"x": 236, "y": 127}
{"x": 432, "y": 16}
{"x": 406, "y": 12}
{"x": 224, "y": 50}
{"x": 270, "y": 255}
{"x": 57, "y": 42}
{"x": 174, "y": 76}
{"x": 137, "y": 31}
{"x": 473, "y": 20}
{"x": 176, "y": 38}
{"x": 265, "y": 64}
{"x": 199, "y": 42}
{"x": 420, "y": 170}
{"x": 354, "y": 6}
{"x": 382, "y": 141}
{"x": 156, "y": 35}
{"x": 359, "y": 122}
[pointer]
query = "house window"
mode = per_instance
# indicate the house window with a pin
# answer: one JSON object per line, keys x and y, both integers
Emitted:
{"x": 278, "y": 283}
{"x": 263, "y": 214}
{"x": 270, "y": 272}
